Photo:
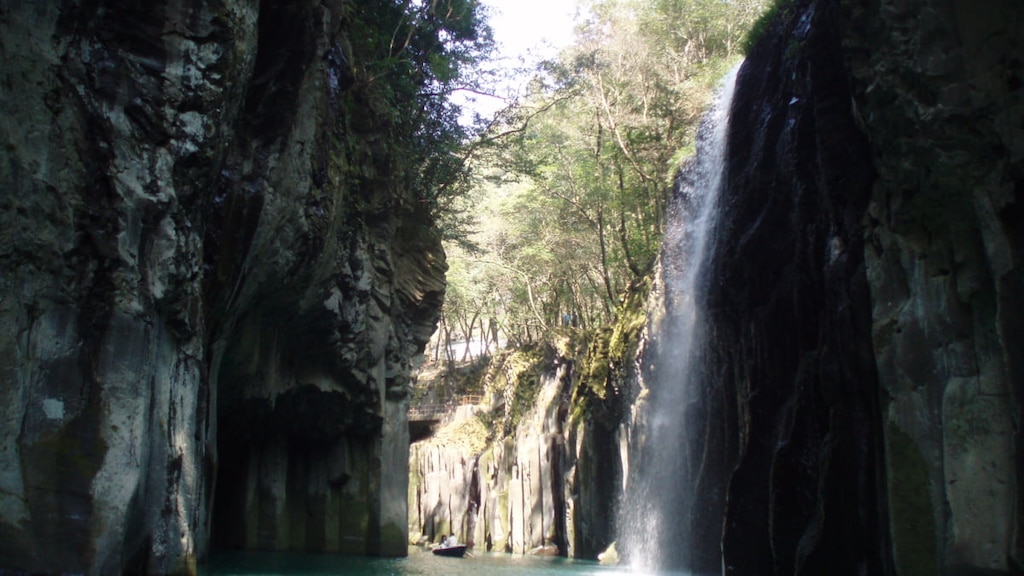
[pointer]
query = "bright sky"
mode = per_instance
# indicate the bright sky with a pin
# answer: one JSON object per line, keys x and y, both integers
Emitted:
{"x": 526, "y": 32}
{"x": 541, "y": 26}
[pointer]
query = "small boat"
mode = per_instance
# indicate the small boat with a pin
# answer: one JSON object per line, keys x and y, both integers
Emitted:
{"x": 454, "y": 551}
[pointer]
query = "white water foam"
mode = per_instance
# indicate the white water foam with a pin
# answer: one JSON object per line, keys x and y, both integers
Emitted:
{"x": 654, "y": 523}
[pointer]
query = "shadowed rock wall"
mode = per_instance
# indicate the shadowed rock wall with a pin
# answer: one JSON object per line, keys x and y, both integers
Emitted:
{"x": 789, "y": 315}
{"x": 863, "y": 410}
{"x": 939, "y": 89}
{"x": 199, "y": 300}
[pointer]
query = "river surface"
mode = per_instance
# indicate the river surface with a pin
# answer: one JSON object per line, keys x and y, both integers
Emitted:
{"x": 418, "y": 563}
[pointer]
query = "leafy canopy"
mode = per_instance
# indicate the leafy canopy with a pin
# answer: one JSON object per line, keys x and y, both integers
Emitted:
{"x": 580, "y": 169}
{"x": 409, "y": 57}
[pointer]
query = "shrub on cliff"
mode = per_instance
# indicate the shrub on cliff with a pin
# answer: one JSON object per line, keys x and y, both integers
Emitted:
{"x": 408, "y": 60}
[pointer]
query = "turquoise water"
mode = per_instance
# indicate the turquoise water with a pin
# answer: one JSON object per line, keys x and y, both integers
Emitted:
{"x": 419, "y": 563}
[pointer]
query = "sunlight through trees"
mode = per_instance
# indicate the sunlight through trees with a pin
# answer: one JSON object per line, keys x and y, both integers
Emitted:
{"x": 571, "y": 182}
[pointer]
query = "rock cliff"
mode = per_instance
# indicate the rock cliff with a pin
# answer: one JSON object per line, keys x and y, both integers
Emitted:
{"x": 210, "y": 291}
{"x": 862, "y": 410}
{"x": 529, "y": 473}
{"x": 498, "y": 487}
{"x": 938, "y": 90}
{"x": 798, "y": 449}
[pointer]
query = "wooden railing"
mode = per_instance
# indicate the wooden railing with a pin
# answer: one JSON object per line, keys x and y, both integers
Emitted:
{"x": 421, "y": 412}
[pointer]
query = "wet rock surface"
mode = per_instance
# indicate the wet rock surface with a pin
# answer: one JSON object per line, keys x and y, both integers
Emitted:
{"x": 789, "y": 311}
{"x": 198, "y": 302}
{"x": 864, "y": 403}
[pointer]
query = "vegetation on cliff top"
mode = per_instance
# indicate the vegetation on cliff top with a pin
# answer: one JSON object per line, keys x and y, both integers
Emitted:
{"x": 571, "y": 182}
{"x": 407, "y": 60}
{"x": 772, "y": 16}
{"x": 569, "y": 188}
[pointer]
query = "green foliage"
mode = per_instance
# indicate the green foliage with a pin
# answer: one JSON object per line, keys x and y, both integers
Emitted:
{"x": 605, "y": 366}
{"x": 776, "y": 13}
{"x": 596, "y": 371}
{"x": 470, "y": 435}
{"x": 571, "y": 182}
{"x": 408, "y": 59}
{"x": 515, "y": 376}
{"x": 630, "y": 321}
{"x": 581, "y": 166}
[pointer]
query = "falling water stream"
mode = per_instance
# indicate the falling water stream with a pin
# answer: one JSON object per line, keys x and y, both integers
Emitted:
{"x": 655, "y": 518}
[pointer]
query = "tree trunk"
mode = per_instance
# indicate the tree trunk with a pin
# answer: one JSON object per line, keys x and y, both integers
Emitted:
{"x": 623, "y": 237}
{"x": 469, "y": 335}
{"x": 605, "y": 275}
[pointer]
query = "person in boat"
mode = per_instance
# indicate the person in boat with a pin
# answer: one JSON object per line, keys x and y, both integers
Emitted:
{"x": 452, "y": 541}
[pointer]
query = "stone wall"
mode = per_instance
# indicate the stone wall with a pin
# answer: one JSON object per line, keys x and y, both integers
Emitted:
{"x": 547, "y": 487}
{"x": 200, "y": 306}
{"x": 865, "y": 309}
{"x": 939, "y": 91}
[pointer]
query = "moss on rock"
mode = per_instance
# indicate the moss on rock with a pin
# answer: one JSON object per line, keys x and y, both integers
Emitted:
{"x": 605, "y": 364}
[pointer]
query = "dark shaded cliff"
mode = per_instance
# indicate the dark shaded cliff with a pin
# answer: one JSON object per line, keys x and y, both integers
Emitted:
{"x": 788, "y": 304}
{"x": 861, "y": 411}
{"x": 211, "y": 287}
{"x": 939, "y": 91}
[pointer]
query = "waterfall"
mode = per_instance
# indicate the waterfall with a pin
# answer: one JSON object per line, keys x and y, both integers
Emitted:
{"x": 658, "y": 511}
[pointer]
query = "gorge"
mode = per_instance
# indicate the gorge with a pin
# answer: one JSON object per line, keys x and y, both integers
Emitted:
{"x": 216, "y": 276}
{"x": 857, "y": 409}
{"x": 214, "y": 280}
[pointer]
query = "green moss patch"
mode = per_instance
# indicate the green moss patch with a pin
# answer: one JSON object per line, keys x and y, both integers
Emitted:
{"x": 604, "y": 370}
{"x": 778, "y": 12}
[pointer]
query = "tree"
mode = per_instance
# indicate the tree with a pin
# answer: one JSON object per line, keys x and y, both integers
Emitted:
{"x": 408, "y": 61}
{"x": 581, "y": 168}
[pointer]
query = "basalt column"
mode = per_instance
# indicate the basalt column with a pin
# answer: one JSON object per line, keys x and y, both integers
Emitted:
{"x": 939, "y": 89}
{"x": 200, "y": 300}
{"x": 789, "y": 314}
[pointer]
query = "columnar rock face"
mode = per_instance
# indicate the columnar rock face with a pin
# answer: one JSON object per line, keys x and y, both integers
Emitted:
{"x": 509, "y": 496}
{"x": 939, "y": 89}
{"x": 863, "y": 407}
{"x": 547, "y": 488}
{"x": 200, "y": 306}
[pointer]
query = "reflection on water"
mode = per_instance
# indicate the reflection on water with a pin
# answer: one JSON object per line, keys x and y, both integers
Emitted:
{"x": 419, "y": 563}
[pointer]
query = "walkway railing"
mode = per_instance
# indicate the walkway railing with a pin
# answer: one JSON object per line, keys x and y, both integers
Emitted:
{"x": 421, "y": 412}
